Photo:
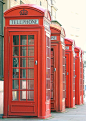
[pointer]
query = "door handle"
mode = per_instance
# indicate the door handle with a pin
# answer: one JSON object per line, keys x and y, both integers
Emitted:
{"x": 75, "y": 76}
{"x": 67, "y": 73}
{"x": 35, "y": 62}
{"x": 54, "y": 69}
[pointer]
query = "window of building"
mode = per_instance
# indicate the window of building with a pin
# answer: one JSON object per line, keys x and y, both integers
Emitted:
{"x": 40, "y": 3}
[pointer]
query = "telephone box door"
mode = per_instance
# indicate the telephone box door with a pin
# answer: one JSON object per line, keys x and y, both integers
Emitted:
{"x": 67, "y": 80}
{"x": 23, "y": 73}
{"x": 53, "y": 78}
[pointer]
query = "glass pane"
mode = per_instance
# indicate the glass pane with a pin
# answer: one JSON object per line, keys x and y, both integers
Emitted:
{"x": 51, "y": 86}
{"x": 15, "y": 95}
{"x": 15, "y": 84}
{"x": 30, "y": 73}
{"x": 30, "y": 62}
{"x": 52, "y": 77}
{"x": 15, "y": 73}
{"x": 30, "y": 39}
{"x": 23, "y": 95}
{"x": 52, "y": 95}
{"x": 23, "y": 40}
{"x": 30, "y": 51}
{"x": 15, "y": 62}
{"x": 15, "y": 51}
{"x": 22, "y": 73}
{"x": 30, "y": 95}
{"x": 30, "y": 84}
{"x": 47, "y": 94}
{"x": 47, "y": 84}
{"x": 16, "y": 40}
{"x": 22, "y": 51}
{"x": 22, "y": 84}
{"x": 22, "y": 62}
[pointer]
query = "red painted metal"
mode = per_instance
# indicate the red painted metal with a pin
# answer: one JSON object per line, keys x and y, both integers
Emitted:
{"x": 57, "y": 68}
{"x": 70, "y": 73}
{"x": 27, "y": 30}
{"x": 82, "y": 77}
{"x": 78, "y": 81}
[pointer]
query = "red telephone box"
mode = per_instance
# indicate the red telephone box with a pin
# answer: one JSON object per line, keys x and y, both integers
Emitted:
{"x": 70, "y": 73}
{"x": 57, "y": 68}
{"x": 78, "y": 81}
{"x": 82, "y": 76}
{"x": 27, "y": 62}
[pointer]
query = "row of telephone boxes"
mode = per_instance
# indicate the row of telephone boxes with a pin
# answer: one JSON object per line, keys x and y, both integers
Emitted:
{"x": 46, "y": 71}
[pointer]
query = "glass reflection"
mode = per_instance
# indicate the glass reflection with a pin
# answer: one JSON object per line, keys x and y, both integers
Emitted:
{"x": 30, "y": 95}
{"x": 15, "y": 62}
{"x": 15, "y": 84}
{"x": 22, "y": 62}
{"x": 15, "y": 73}
{"x": 30, "y": 39}
{"x": 22, "y": 51}
{"x": 23, "y": 40}
{"x": 15, "y": 95}
{"x": 30, "y": 51}
{"x": 30, "y": 62}
{"x": 16, "y": 40}
{"x": 30, "y": 73}
{"x": 22, "y": 84}
{"x": 15, "y": 51}
{"x": 23, "y": 95}
{"x": 22, "y": 73}
{"x": 30, "y": 84}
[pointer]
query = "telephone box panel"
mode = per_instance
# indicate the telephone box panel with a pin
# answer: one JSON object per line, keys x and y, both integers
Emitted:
{"x": 27, "y": 62}
{"x": 57, "y": 68}
{"x": 70, "y": 73}
{"x": 78, "y": 80}
{"x": 82, "y": 77}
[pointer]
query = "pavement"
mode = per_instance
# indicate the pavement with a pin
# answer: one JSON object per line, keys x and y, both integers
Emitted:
{"x": 71, "y": 114}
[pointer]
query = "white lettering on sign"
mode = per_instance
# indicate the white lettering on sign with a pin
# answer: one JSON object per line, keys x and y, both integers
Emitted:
{"x": 24, "y": 22}
{"x": 53, "y": 37}
{"x": 67, "y": 47}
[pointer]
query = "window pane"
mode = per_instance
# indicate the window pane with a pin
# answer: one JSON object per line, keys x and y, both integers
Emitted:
{"x": 15, "y": 62}
{"x": 30, "y": 84}
{"x": 30, "y": 39}
{"x": 47, "y": 84}
{"x": 15, "y": 73}
{"x": 51, "y": 94}
{"x": 22, "y": 73}
{"x": 30, "y": 51}
{"x": 30, "y": 73}
{"x": 23, "y": 95}
{"x": 15, "y": 40}
{"x": 30, "y": 62}
{"x": 23, "y": 40}
{"x": 47, "y": 94}
{"x": 30, "y": 95}
{"x": 15, "y": 95}
{"x": 22, "y": 51}
{"x": 22, "y": 84}
{"x": 15, "y": 84}
{"x": 22, "y": 62}
{"x": 15, "y": 51}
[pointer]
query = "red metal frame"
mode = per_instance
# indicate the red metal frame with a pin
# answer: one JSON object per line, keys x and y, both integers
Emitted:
{"x": 40, "y": 107}
{"x": 78, "y": 81}
{"x": 70, "y": 73}
{"x": 57, "y": 68}
{"x": 82, "y": 76}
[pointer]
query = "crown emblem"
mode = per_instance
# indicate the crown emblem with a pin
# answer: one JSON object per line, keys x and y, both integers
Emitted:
{"x": 23, "y": 12}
